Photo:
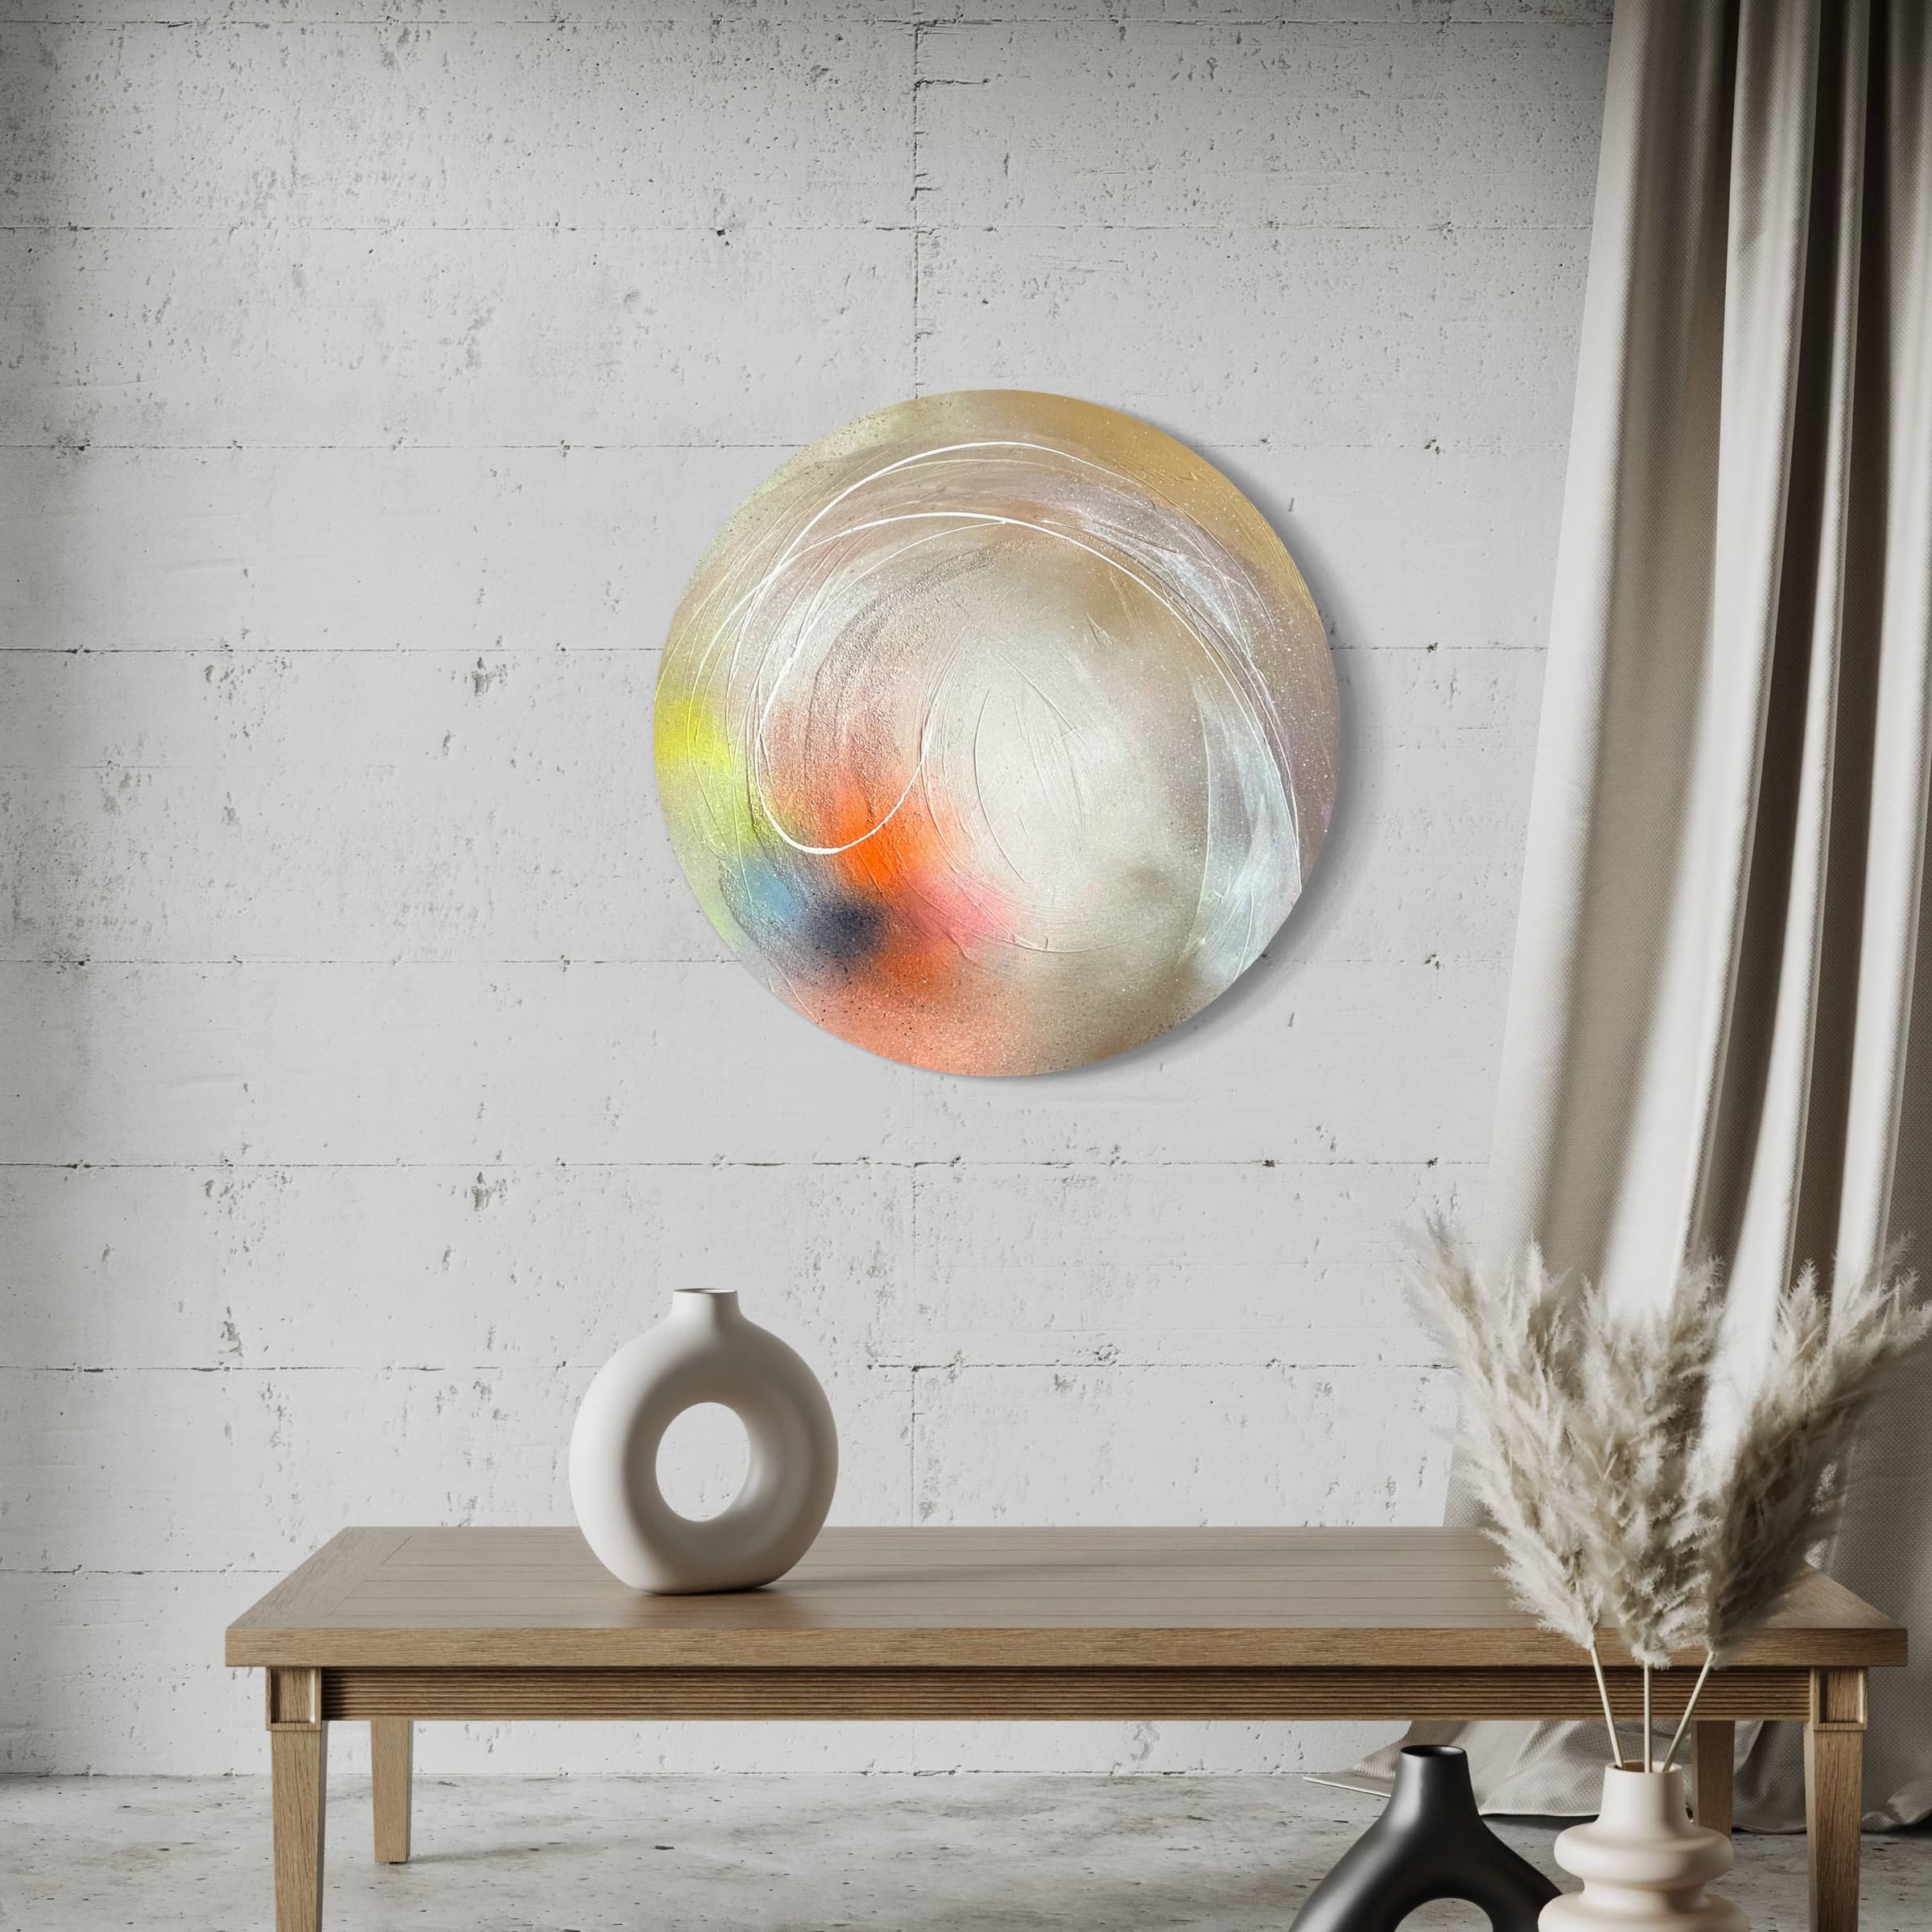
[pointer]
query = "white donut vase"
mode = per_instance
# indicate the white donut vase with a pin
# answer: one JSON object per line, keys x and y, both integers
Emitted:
{"x": 705, "y": 1350}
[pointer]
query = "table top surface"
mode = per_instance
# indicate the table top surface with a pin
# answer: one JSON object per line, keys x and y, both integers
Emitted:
{"x": 944, "y": 1597}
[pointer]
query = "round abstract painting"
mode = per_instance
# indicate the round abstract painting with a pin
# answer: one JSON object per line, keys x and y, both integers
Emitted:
{"x": 996, "y": 733}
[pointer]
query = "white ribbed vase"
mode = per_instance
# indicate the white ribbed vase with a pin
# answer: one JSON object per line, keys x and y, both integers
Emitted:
{"x": 1643, "y": 1863}
{"x": 705, "y": 1351}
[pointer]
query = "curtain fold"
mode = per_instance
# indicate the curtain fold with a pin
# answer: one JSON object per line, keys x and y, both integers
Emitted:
{"x": 1716, "y": 1038}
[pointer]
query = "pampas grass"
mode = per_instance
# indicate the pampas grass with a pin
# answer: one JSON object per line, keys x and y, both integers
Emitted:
{"x": 1782, "y": 1487}
{"x": 1587, "y": 1433}
{"x": 1642, "y": 1383}
{"x": 1518, "y": 1348}
{"x": 1514, "y": 1345}
{"x": 1780, "y": 1490}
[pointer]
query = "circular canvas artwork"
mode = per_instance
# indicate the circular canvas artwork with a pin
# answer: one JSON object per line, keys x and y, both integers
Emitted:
{"x": 996, "y": 733}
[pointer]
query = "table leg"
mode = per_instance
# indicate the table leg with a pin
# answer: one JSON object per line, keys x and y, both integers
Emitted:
{"x": 298, "y": 1741}
{"x": 391, "y": 1747}
{"x": 1834, "y": 1739}
{"x": 1714, "y": 1757}
{"x": 300, "y": 1763}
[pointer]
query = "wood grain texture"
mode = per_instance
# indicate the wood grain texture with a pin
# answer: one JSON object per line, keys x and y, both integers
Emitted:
{"x": 1713, "y": 1761}
{"x": 936, "y": 1598}
{"x": 319, "y": 1585}
{"x": 294, "y": 1697}
{"x": 1082, "y": 1694}
{"x": 1840, "y": 1700}
{"x": 1834, "y": 1774}
{"x": 1834, "y": 1742}
{"x": 391, "y": 1755}
{"x": 299, "y": 1766}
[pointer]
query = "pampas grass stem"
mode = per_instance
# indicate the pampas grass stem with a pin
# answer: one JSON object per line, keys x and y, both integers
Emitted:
{"x": 1646, "y": 1717}
{"x": 1683, "y": 1723}
{"x": 1602, "y": 1690}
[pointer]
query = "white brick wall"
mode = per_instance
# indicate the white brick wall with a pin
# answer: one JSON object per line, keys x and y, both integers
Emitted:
{"x": 370, "y": 386}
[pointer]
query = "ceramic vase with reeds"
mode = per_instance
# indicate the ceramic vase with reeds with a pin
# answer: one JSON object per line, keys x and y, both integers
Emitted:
{"x": 1643, "y": 1862}
{"x": 1625, "y": 1501}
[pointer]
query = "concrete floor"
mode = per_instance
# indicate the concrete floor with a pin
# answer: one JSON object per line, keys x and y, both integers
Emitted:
{"x": 770, "y": 1854}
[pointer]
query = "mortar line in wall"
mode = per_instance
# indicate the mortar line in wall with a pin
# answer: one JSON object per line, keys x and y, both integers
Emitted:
{"x": 912, "y": 1378}
{"x": 69, "y": 963}
{"x": 363, "y": 1371}
{"x": 1097, "y": 227}
{"x": 404, "y": 446}
{"x": 549, "y": 23}
{"x": 919, "y": 239}
{"x": 221, "y": 1164}
{"x": 1339, "y": 647}
{"x": 70, "y": 446}
{"x": 96, "y": 1569}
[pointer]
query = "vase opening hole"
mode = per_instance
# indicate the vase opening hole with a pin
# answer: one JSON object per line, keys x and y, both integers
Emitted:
{"x": 703, "y": 1460}
{"x": 1448, "y": 1915}
{"x": 1432, "y": 1751}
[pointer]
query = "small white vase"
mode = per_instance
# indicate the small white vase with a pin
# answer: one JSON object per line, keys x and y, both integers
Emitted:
{"x": 1643, "y": 1863}
{"x": 705, "y": 1351}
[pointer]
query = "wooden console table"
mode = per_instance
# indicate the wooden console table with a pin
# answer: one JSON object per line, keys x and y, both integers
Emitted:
{"x": 398, "y": 1626}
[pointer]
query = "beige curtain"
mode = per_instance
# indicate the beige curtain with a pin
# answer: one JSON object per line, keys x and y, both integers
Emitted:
{"x": 1715, "y": 1036}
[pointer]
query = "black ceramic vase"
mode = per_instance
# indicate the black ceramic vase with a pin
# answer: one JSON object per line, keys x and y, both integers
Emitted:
{"x": 1429, "y": 1844}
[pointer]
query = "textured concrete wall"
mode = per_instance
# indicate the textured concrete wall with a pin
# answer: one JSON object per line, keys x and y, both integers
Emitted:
{"x": 370, "y": 386}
